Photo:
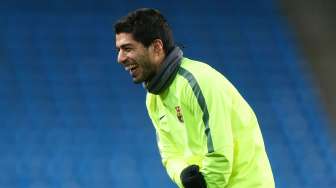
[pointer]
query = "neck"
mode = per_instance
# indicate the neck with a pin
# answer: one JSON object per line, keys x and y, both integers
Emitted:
{"x": 166, "y": 72}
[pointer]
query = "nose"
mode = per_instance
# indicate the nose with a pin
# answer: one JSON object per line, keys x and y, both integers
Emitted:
{"x": 121, "y": 57}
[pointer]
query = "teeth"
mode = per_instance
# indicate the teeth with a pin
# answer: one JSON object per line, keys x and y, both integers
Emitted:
{"x": 129, "y": 67}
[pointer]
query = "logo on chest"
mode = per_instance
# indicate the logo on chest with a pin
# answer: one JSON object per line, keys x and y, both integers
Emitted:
{"x": 179, "y": 114}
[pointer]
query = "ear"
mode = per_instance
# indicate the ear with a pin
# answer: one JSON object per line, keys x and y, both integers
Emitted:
{"x": 158, "y": 46}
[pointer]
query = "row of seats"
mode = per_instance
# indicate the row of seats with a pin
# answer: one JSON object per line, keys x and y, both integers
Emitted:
{"x": 71, "y": 117}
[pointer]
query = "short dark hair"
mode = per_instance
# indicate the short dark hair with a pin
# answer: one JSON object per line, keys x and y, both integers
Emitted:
{"x": 146, "y": 25}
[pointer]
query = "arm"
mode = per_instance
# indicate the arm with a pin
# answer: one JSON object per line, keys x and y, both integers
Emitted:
{"x": 217, "y": 163}
{"x": 214, "y": 106}
{"x": 172, "y": 158}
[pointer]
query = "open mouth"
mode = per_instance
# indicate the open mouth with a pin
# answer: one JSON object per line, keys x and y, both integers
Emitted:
{"x": 131, "y": 68}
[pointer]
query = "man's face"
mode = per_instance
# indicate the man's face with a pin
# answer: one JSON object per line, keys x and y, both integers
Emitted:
{"x": 135, "y": 57}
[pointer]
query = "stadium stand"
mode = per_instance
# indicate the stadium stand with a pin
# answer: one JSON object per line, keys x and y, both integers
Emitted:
{"x": 71, "y": 117}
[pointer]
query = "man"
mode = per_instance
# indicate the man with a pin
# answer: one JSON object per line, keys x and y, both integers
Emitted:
{"x": 208, "y": 136}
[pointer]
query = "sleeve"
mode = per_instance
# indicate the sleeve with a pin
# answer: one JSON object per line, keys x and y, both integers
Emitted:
{"x": 172, "y": 159}
{"x": 217, "y": 163}
{"x": 214, "y": 106}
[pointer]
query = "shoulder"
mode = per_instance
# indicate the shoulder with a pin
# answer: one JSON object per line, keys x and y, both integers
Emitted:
{"x": 204, "y": 79}
{"x": 203, "y": 75}
{"x": 200, "y": 71}
{"x": 150, "y": 101}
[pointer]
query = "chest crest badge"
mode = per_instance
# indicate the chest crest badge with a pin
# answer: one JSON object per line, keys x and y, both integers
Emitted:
{"x": 179, "y": 114}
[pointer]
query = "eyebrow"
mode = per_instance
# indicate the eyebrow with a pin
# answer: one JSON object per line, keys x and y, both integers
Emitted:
{"x": 125, "y": 45}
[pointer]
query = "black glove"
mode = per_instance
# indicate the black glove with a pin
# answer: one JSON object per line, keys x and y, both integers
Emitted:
{"x": 192, "y": 178}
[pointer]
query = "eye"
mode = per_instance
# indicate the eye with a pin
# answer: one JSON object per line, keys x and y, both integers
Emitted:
{"x": 128, "y": 49}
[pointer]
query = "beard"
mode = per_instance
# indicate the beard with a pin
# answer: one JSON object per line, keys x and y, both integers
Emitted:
{"x": 146, "y": 70}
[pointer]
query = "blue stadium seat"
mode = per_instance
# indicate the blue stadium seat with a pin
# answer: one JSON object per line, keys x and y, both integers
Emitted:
{"x": 70, "y": 116}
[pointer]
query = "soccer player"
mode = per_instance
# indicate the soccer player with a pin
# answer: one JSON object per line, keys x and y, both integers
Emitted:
{"x": 208, "y": 136}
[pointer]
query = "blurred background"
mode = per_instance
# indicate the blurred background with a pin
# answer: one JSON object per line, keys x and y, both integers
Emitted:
{"x": 71, "y": 117}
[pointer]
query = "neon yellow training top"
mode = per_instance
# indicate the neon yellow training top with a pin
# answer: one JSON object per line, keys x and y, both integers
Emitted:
{"x": 202, "y": 119}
